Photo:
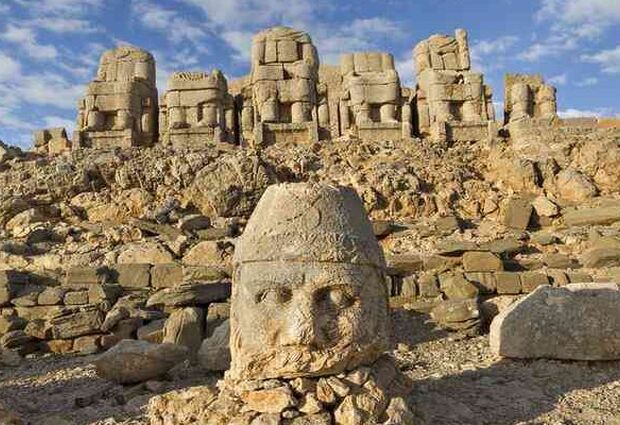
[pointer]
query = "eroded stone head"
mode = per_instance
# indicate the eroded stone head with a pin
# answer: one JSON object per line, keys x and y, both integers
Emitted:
{"x": 309, "y": 296}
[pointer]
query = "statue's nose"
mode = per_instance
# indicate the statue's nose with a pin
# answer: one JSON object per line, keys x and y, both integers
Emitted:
{"x": 300, "y": 325}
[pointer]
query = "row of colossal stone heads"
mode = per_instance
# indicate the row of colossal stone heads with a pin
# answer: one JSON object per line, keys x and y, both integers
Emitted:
{"x": 289, "y": 96}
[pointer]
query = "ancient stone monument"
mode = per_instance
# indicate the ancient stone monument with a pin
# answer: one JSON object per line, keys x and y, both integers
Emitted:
{"x": 452, "y": 101}
{"x": 288, "y": 97}
{"x": 528, "y": 97}
{"x": 372, "y": 104}
{"x": 196, "y": 109}
{"x": 51, "y": 141}
{"x": 283, "y": 82}
{"x": 120, "y": 106}
{"x": 309, "y": 274}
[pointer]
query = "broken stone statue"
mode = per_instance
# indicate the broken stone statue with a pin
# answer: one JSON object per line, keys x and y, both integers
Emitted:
{"x": 309, "y": 320}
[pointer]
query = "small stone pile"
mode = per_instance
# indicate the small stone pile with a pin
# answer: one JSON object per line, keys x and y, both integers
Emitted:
{"x": 367, "y": 395}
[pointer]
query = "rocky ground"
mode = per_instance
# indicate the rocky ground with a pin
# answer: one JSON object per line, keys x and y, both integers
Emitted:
{"x": 121, "y": 235}
{"x": 457, "y": 381}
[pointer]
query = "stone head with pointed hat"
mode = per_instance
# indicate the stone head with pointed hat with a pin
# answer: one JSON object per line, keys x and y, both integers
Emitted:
{"x": 309, "y": 295}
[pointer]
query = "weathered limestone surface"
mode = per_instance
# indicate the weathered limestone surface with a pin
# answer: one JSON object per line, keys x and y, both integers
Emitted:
{"x": 372, "y": 104}
{"x": 132, "y": 361}
{"x": 283, "y": 86}
{"x": 452, "y": 101}
{"x": 309, "y": 275}
{"x": 120, "y": 106}
{"x": 196, "y": 110}
{"x": 527, "y": 96}
{"x": 52, "y": 141}
{"x": 575, "y": 322}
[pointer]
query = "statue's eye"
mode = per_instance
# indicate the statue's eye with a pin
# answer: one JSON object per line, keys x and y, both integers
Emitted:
{"x": 274, "y": 296}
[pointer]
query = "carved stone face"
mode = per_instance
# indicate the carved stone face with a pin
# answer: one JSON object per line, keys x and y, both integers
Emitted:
{"x": 309, "y": 296}
{"x": 307, "y": 318}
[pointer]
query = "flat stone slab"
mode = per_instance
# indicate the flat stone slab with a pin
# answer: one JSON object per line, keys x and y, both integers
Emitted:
{"x": 600, "y": 215}
{"x": 192, "y": 294}
{"x": 575, "y": 322}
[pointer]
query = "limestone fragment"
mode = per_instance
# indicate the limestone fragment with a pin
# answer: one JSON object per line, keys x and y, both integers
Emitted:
{"x": 575, "y": 322}
{"x": 131, "y": 361}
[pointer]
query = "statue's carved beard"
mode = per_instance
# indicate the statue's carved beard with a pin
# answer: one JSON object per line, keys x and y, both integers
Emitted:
{"x": 293, "y": 361}
{"x": 344, "y": 347}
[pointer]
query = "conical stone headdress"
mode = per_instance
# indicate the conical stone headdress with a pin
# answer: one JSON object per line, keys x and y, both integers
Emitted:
{"x": 304, "y": 222}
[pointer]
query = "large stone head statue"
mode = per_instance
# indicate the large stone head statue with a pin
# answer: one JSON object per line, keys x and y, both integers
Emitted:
{"x": 308, "y": 296}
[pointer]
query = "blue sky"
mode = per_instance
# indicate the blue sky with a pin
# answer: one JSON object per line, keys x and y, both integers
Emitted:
{"x": 49, "y": 49}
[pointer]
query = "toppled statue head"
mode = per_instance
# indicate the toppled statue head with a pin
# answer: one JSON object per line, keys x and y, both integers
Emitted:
{"x": 309, "y": 295}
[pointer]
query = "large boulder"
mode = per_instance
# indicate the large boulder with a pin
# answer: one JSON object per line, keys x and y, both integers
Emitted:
{"x": 231, "y": 186}
{"x": 131, "y": 361}
{"x": 574, "y": 322}
{"x": 574, "y": 186}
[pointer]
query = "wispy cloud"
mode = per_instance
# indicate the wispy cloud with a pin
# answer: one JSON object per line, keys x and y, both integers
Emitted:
{"x": 26, "y": 39}
{"x": 238, "y": 15}
{"x": 490, "y": 54}
{"x": 570, "y": 22}
{"x": 609, "y": 60}
{"x": 580, "y": 18}
{"x": 587, "y": 82}
{"x": 66, "y": 8}
{"x": 177, "y": 28}
{"x": 558, "y": 80}
{"x": 584, "y": 113}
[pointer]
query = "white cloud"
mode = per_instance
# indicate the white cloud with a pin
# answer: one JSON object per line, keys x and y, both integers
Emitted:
{"x": 499, "y": 45}
{"x": 405, "y": 69}
{"x": 585, "y": 113}
{"x": 570, "y": 23}
{"x": 241, "y": 42}
{"x": 26, "y": 39}
{"x": 62, "y": 25}
{"x": 239, "y": 14}
{"x": 496, "y": 49}
{"x": 358, "y": 35}
{"x": 48, "y": 89}
{"x": 581, "y": 18}
{"x": 64, "y": 8}
{"x": 609, "y": 60}
{"x": 587, "y": 82}
{"x": 553, "y": 46}
{"x": 177, "y": 28}
{"x": 558, "y": 80}
{"x": 9, "y": 119}
{"x": 9, "y": 67}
